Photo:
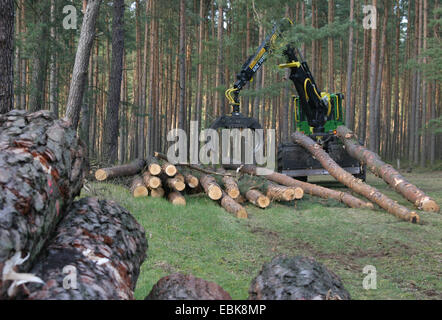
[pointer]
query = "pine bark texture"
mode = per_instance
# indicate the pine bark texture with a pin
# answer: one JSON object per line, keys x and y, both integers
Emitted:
{"x": 186, "y": 287}
{"x": 297, "y": 278}
{"x": 353, "y": 183}
{"x": 79, "y": 73}
{"x": 233, "y": 207}
{"x": 6, "y": 55}
{"x": 386, "y": 171}
{"x": 105, "y": 245}
{"x": 42, "y": 167}
{"x": 115, "y": 76}
{"x": 309, "y": 188}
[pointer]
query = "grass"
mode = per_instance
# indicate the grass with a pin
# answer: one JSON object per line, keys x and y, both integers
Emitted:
{"x": 204, "y": 240}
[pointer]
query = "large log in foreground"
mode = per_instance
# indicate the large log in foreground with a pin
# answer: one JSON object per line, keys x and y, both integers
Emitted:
{"x": 99, "y": 247}
{"x": 186, "y": 287}
{"x": 353, "y": 183}
{"x": 297, "y": 278}
{"x": 42, "y": 168}
{"x": 129, "y": 169}
{"x": 386, "y": 171}
{"x": 309, "y": 188}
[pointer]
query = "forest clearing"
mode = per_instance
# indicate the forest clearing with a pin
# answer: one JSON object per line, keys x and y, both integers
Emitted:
{"x": 204, "y": 240}
{"x": 218, "y": 150}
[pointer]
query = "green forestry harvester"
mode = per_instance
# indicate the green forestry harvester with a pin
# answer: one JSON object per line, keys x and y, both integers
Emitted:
{"x": 317, "y": 113}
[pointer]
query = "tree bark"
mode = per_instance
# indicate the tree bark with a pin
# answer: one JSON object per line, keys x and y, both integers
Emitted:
{"x": 182, "y": 59}
{"x": 103, "y": 243}
{"x": 115, "y": 76}
{"x": 386, "y": 172}
{"x": 311, "y": 189}
{"x": 6, "y": 55}
{"x": 129, "y": 169}
{"x": 79, "y": 72}
{"x": 372, "y": 99}
{"x": 349, "y": 110}
{"x": 42, "y": 167}
{"x": 137, "y": 188}
{"x": 233, "y": 207}
{"x": 353, "y": 183}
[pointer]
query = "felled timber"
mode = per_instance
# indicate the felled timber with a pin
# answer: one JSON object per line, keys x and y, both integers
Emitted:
{"x": 129, "y": 169}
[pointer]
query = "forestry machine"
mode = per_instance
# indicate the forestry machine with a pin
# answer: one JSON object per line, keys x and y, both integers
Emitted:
{"x": 316, "y": 113}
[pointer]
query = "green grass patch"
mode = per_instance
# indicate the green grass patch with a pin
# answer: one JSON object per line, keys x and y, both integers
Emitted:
{"x": 204, "y": 240}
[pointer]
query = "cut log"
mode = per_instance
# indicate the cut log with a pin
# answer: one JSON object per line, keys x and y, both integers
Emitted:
{"x": 101, "y": 245}
{"x": 297, "y": 278}
{"x": 231, "y": 187}
{"x": 257, "y": 198}
{"x": 157, "y": 193}
{"x": 129, "y": 169}
{"x": 283, "y": 193}
{"x": 211, "y": 188}
{"x": 353, "y": 183}
{"x": 138, "y": 188}
{"x": 180, "y": 177}
{"x": 386, "y": 171}
{"x": 42, "y": 168}
{"x": 186, "y": 287}
{"x": 175, "y": 184}
{"x": 311, "y": 189}
{"x": 152, "y": 182}
{"x": 192, "y": 181}
{"x": 273, "y": 191}
{"x": 169, "y": 169}
{"x": 154, "y": 167}
{"x": 176, "y": 198}
{"x": 231, "y": 206}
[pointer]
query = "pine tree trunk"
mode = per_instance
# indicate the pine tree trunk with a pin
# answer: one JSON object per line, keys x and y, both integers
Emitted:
{"x": 182, "y": 64}
{"x": 349, "y": 110}
{"x": 309, "y": 188}
{"x": 79, "y": 72}
{"x": 115, "y": 76}
{"x": 129, "y": 169}
{"x": 101, "y": 245}
{"x": 42, "y": 167}
{"x": 386, "y": 172}
{"x": 353, "y": 183}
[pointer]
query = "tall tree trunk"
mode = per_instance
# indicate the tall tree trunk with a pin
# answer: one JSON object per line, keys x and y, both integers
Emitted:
{"x": 6, "y": 55}
{"x": 331, "y": 52}
{"x": 81, "y": 62}
{"x": 372, "y": 101}
{"x": 115, "y": 76}
{"x": 53, "y": 82}
{"x": 349, "y": 110}
{"x": 423, "y": 153}
{"x": 182, "y": 60}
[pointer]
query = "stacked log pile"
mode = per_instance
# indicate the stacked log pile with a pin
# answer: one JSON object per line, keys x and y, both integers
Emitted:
{"x": 227, "y": 188}
{"x": 42, "y": 169}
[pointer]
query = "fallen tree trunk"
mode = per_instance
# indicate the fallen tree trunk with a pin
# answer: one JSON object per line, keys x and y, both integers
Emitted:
{"x": 129, "y": 169}
{"x": 191, "y": 181}
{"x": 169, "y": 169}
{"x": 152, "y": 182}
{"x": 353, "y": 183}
{"x": 42, "y": 167}
{"x": 138, "y": 188}
{"x": 100, "y": 245}
{"x": 157, "y": 193}
{"x": 175, "y": 184}
{"x": 154, "y": 167}
{"x": 231, "y": 206}
{"x": 311, "y": 189}
{"x": 211, "y": 188}
{"x": 257, "y": 198}
{"x": 386, "y": 171}
{"x": 176, "y": 198}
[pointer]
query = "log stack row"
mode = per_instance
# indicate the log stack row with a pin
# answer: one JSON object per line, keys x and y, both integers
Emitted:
{"x": 158, "y": 178}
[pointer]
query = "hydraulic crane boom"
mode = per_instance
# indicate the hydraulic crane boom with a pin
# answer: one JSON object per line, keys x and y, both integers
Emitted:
{"x": 300, "y": 75}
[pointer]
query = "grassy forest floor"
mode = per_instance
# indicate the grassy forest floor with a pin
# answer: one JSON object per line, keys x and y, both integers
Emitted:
{"x": 204, "y": 240}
